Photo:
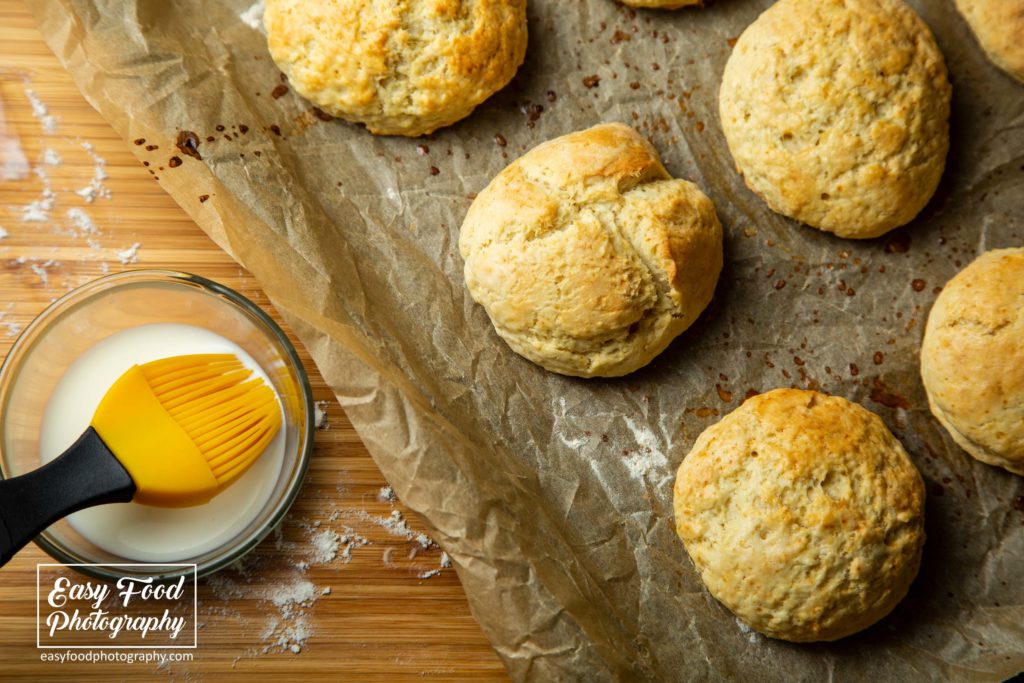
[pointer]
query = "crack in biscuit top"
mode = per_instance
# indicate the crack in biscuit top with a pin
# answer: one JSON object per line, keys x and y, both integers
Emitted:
{"x": 575, "y": 249}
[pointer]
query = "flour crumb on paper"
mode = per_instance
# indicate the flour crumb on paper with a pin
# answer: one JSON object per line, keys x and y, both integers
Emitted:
{"x": 646, "y": 460}
{"x": 253, "y": 17}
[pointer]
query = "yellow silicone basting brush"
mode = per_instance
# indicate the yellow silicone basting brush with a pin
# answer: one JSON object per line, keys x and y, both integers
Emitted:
{"x": 171, "y": 433}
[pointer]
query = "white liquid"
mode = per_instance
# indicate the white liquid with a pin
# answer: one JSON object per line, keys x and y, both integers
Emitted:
{"x": 142, "y": 532}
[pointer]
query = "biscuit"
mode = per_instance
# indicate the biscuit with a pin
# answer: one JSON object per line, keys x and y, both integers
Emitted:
{"x": 401, "y": 68}
{"x": 803, "y": 515}
{"x": 661, "y": 4}
{"x": 588, "y": 256}
{"x": 972, "y": 358}
{"x": 836, "y": 113}
{"x": 999, "y": 27}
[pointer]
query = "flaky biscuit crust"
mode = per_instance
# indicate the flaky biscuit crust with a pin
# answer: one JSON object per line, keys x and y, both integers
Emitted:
{"x": 999, "y": 27}
{"x": 588, "y": 257}
{"x": 402, "y": 67}
{"x": 972, "y": 358}
{"x": 836, "y": 113}
{"x": 803, "y": 514}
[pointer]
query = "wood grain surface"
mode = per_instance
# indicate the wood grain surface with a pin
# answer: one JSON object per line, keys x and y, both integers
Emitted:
{"x": 380, "y": 620}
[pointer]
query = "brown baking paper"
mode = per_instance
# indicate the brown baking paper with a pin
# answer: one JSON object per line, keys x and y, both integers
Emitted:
{"x": 553, "y": 495}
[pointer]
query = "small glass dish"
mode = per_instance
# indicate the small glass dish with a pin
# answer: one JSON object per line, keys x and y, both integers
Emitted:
{"x": 83, "y": 317}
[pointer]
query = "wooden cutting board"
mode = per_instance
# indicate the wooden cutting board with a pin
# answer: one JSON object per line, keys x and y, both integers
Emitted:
{"x": 380, "y": 621}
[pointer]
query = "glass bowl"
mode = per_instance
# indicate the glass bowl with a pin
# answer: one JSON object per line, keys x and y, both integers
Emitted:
{"x": 83, "y": 317}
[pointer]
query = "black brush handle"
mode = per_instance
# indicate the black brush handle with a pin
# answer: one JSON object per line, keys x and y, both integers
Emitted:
{"x": 84, "y": 475}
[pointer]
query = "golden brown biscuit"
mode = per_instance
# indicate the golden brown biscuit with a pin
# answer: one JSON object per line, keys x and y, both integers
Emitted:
{"x": 588, "y": 256}
{"x": 402, "y": 68}
{"x": 803, "y": 515}
{"x": 999, "y": 28}
{"x": 972, "y": 358}
{"x": 836, "y": 113}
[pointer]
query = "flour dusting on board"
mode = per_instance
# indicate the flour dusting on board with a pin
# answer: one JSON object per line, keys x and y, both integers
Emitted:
{"x": 290, "y": 600}
{"x": 13, "y": 162}
{"x": 72, "y": 219}
{"x": 47, "y": 121}
{"x": 95, "y": 188}
{"x": 387, "y": 495}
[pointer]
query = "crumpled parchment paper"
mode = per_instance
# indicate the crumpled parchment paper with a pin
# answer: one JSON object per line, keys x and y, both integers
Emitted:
{"x": 553, "y": 495}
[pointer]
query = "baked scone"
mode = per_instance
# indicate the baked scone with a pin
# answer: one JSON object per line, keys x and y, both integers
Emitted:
{"x": 401, "y": 68}
{"x": 972, "y": 358}
{"x": 588, "y": 257}
{"x": 803, "y": 515}
{"x": 836, "y": 113}
{"x": 999, "y": 28}
{"x": 661, "y": 4}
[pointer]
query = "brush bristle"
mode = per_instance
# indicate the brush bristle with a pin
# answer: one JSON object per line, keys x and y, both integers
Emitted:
{"x": 229, "y": 415}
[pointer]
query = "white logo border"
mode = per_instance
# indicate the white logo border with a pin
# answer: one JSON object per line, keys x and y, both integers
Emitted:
{"x": 195, "y": 607}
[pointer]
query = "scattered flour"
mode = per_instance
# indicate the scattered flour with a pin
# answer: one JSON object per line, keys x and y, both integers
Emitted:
{"x": 445, "y": 563}
{"x": 320, "y": 415}
{"x": 84, "y": 223}
{"x": 395, "y": 525}
{"x": 290, "y": 597}
{"x": 753, "y": 636}
{"x": 351, "y": 541}
{"x": 40, "y": 270}
{"x": 38, "y": 211}
{"x": 387, "y": 495}
{"x": 647, "y": 461}
{"x": 574, "y": 443}
{"x": 325, "y": 546}
{"x": 12, "y": 328}
{"x": 253, "y": 17}
{"x": 39, "y": 110}
{"x": 289, "y": 601}
{"x": 96, "y": 188}
{"x": 289, "y": 629}
{"x": 129, "y": 255}
{"x": 13, "y": 163}
{"x": 78, "y": 223}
